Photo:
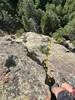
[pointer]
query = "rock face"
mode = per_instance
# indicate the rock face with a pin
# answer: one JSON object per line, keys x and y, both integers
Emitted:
{"x": 60, "y": 61}
{"x": 37, "y": 45}
{"x": 21, "y": 78}
{"x": 61, "y": 64}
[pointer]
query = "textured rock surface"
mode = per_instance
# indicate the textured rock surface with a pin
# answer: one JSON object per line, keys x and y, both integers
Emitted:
{"x": 61, "y": 63}
{"x": 20, "y": 77}
{"x": 37, "y": 44}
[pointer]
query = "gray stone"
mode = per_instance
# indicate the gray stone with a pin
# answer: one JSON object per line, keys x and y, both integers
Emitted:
{"x": 61, "y": 64}
{"x": 24, "y": 79}
{"x": 37, "y": 45}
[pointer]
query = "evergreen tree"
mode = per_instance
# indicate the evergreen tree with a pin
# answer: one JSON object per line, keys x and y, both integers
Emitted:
{"x": 46, "y": 16}
{"x": 29, "y": 15}
{"x": 49, "y": 22}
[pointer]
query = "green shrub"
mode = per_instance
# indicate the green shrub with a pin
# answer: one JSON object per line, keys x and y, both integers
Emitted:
{"x": 50, "y": 17}
{"x": 44, "y": 49}
{"x": 68, "y": 32}
{"x": 73, "y": 42}
{"x": 30, "y": 16}
{"x": 58, "y": 35}
{"x": 49, "y": 22}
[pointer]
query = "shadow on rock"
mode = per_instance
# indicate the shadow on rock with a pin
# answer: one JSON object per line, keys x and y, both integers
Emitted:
{"x": 11, "y": 61}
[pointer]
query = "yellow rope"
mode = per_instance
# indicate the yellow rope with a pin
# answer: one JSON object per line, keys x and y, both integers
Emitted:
{"x": 49, "y": 80}
{"x": 45, "y": 61}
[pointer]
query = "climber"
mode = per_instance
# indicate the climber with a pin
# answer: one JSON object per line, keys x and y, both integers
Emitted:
{"x": 63, "y": 92}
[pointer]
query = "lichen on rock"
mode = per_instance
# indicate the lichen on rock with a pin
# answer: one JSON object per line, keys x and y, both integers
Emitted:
{"x": 23, "y": 79}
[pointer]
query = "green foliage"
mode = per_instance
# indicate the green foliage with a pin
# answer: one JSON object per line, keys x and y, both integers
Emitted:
{"x": 9, "y": 21}
{"x": 19, "y": 32}
{"x": 37, "y": 3}
{"x": 58, "y": 2}
{"x": 30, "y": 16}
{"x": 49, "y": 22}
{"x": 54, "y": 17}
{"x": 58, "y": 35}
{"x": 41, "y": 3}
{"x": 72, "y": 15}
{"x": 68, "y": 32}
{"x": 58, "y": 10}
{"x": 73, "y": 42}
{"x": 44, "y": 49}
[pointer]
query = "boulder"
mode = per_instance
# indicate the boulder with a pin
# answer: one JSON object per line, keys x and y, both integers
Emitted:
{"x": 59, "y": 59}
{"x": 61, "y": 64}
{"x": 37, "y": 46}
{"x": 21, "y": 78}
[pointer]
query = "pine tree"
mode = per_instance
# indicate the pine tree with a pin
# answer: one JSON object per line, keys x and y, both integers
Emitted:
{"x": 29, "y": 15}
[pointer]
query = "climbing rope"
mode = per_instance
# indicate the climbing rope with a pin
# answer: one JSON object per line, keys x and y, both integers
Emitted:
{"x": 49, "y": 80}
{"x": 45, "y": 61}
